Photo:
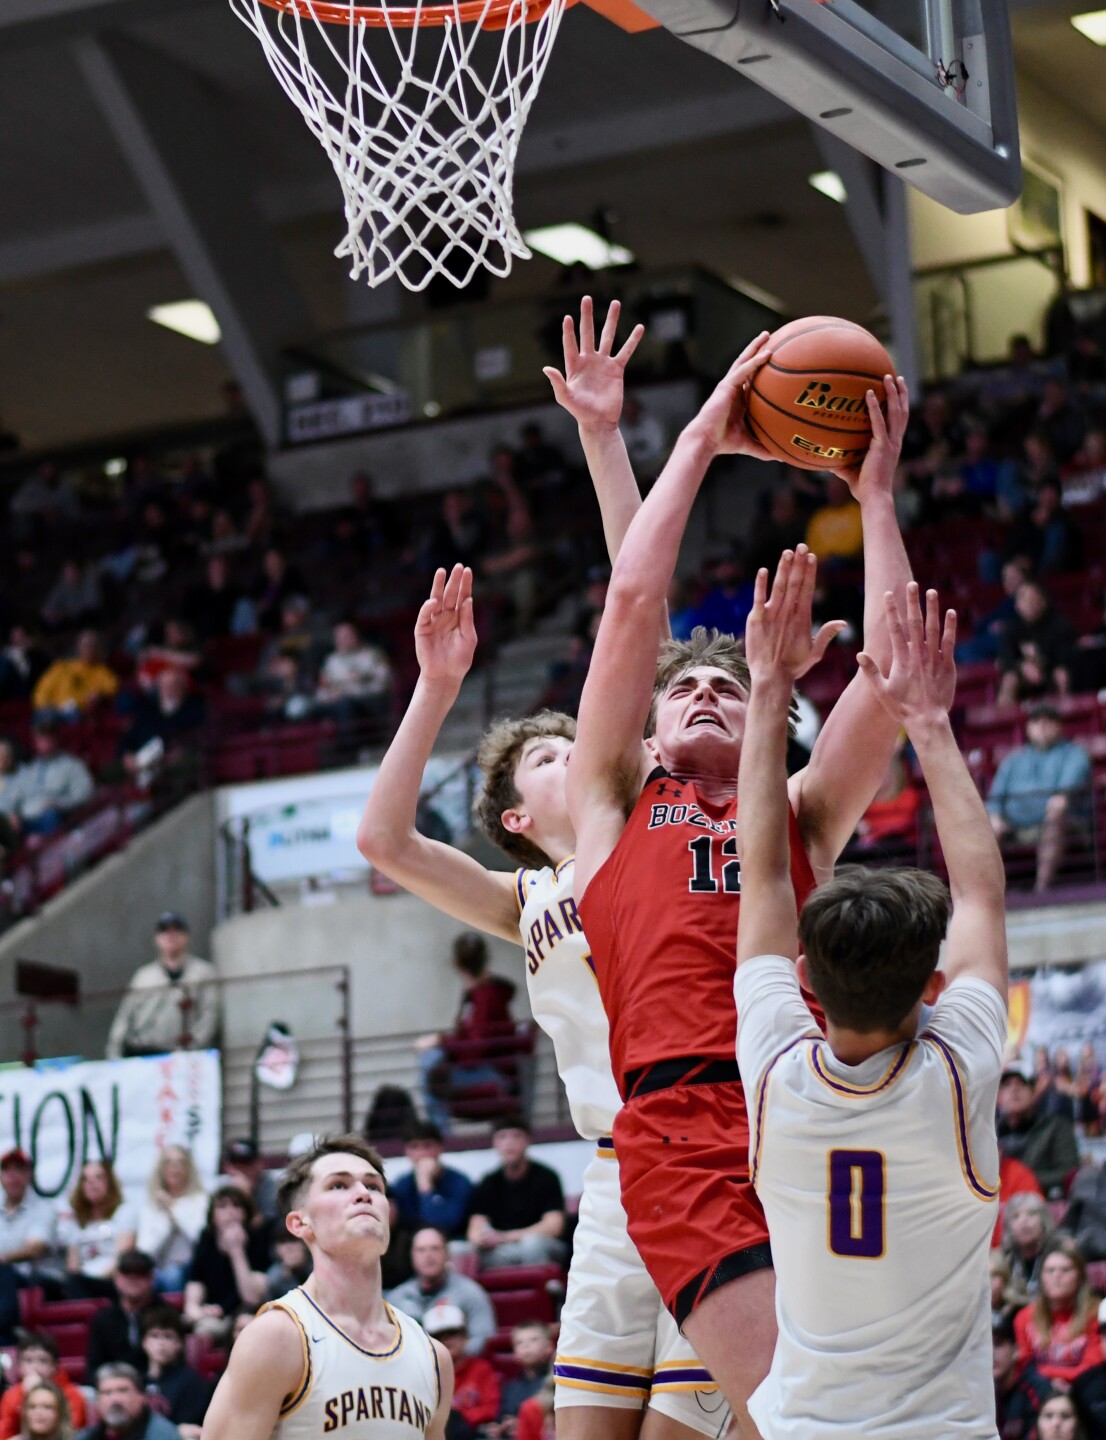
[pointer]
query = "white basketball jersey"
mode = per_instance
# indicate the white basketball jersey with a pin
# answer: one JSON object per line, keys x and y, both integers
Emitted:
{"x": 351, "y": 1393}
{"x": 564, "y": 995}
{"x": 879, "y": 1183}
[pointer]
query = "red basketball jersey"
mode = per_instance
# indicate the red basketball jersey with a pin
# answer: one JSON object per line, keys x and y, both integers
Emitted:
{"x": 661, "y": 920}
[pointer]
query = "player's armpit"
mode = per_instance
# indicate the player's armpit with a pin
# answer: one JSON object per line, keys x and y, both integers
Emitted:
{"x": 266, "y": 1365}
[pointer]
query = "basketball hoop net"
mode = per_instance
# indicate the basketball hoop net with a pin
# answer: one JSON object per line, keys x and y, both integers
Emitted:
{"x": 420, "y": 109}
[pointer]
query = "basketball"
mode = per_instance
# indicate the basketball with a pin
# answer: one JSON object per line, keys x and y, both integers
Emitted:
{"x": 806, "y": 405}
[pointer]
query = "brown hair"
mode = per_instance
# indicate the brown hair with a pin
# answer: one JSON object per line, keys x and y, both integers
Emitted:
{"x": 297, "y": 1176}
{"x": 82, "y": 1210}
{"x": 704, "y": 647}
{"x": 1086, "y": 1306}
{"x": 871, "y": 940}
{"x": 498, "y": 758}
{"x": 64, "y": 1429}
{"x": 241, "y": 1197}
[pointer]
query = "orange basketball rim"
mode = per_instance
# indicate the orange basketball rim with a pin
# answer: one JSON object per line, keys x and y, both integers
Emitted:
{"x": 494, "y": 14}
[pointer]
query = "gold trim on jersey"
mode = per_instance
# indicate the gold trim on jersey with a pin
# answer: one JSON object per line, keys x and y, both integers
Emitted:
{"x": 843, "y": 1087}
{"x": 370, "y": 1354}
{"x": 978, "y": 1188}
{"x": 295, "y": 1398}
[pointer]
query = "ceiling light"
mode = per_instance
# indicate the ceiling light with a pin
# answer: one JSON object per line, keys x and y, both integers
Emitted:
{"x": 758, "y": 294}
{"x": 1092, "y": 24}
{"x": 577, "y": 245}
{"x": 828, "y": 182}
{"x": 194, "y": 318}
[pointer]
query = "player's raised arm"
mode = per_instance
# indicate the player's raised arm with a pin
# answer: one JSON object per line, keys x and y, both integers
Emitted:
{"x": 445, "y": 642}
{"x": 605, "y": 775}
{"x": 591, "y": 390}
{"x": 838, "y": 785}
{"x": 265, "y": 1367}
{"x": 916, "y": 691}
{"x": 779, "y": 648}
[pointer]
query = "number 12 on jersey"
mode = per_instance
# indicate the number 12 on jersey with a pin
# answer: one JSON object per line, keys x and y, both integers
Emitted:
{"x": 856, "y": 1187}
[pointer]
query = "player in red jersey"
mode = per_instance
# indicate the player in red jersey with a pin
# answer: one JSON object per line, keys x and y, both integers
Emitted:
{"x": 658, "y": 881}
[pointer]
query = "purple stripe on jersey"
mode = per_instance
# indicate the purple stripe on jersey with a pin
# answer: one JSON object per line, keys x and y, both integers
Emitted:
{"x": 843, "y": 1088}
{"x": 682, "y": 1375}
{"x": 760, "y": 1103}
{"x": 986, "y": 1191}
{"x": 594, "y": 1375}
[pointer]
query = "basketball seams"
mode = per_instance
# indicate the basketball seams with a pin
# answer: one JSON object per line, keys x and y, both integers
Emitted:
{"x": 801, "y": 420}
{"x": 821, "y": 370}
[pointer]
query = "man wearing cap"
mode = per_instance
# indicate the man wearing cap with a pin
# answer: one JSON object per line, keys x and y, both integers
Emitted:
{"x": 26, "y": 1221}
{"x": 115, "y": 1332}
{"x": 244, "y": 1167}
{"x": 475, "y": 1382}
{"x": 1040, "y": 792}
{"x": 1046, "y": 1143}
{"x": 435, "y": 1283}
{"x": 1020, "y": 1388}
{"x": 173, "y": 1002}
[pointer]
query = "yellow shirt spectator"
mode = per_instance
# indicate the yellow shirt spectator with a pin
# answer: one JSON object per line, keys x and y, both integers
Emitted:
{"x": 834, "y": 530}
{"x": 73, "y": 685}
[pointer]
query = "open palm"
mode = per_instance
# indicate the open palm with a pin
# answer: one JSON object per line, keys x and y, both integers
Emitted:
{"x": 445, "y": 634}
{"x": 591, "y": 388}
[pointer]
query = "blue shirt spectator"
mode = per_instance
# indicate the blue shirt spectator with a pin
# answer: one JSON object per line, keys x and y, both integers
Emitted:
{"x": 1048, "y": 765}
{"x": 432, "y": 1194}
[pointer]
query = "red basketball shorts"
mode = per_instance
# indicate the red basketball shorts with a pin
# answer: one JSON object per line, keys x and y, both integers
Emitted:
{"x": 683, "y": 1155}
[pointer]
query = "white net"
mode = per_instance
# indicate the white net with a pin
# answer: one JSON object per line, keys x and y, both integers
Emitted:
{"x": 421, "y": 122}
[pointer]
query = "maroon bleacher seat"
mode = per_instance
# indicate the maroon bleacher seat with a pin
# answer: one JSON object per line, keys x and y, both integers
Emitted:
{"x": 524, "y": 1292}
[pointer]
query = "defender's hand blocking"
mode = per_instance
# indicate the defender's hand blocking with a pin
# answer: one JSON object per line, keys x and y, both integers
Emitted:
{"x": 445, "y": 634}
{"x": 921, "y": 682}
{"x": 878, "y": 468}
{"x": 778, "y": 638}
{"x": 591, "y": 387}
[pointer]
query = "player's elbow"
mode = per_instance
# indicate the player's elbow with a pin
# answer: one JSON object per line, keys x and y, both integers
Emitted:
{"x": 631, "y": 595}
{"x": 378, "y": 842}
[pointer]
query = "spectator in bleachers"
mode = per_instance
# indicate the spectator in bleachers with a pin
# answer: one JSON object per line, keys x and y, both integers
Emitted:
{"x": 536, "y": 1416}
{"x": 436, "y": 1283}
{"x": 125, "y": 1413}
{"x": 1061, "y": 420}
{"x": 888, "y": 829}
{"x": 1027, "y": 1230}
{"x": 1059, "y": 1419}
{"x": 431, "y": 1193}
{"x": 95, "y": 1230}
{"x": 510, "y": 561}
{"x": 518, "y": 1211}
{"x": 1038, "y": 462}
{"x": 174, "y": 648}
{"x": 223, "y": 536}
{"x": 70, "y": 688}
{"x": 215, "y": 607}
{"x": 1040, "y": 794}
{"x": 933, "y": 437}
{"x": 1045, "y": 532}
{"x": 291, "y": 1267}
{"x": 1036, "y": 649}
{"x": 532, "y": 1347}
{"x": 538, "y": 463}
{"x": 45, "y": 501}
{"x": 174, "y": 996}
{"x": 288, "y": 665}
{"x": 36, "y": 1359}
{"x": 260, "y": 518}
{"x": 466, "y": 1055}
{"x": 1058, "y": 1330}
{"x": 355, "y": 682}
{"x": 244, "y": 1167}
{"x": 729, "y": 596}
{"x": 161, "y": 746}
{"x": 989, "y": 628}
{"x": 1005, "y": 1299}
{"x": 45, "y": 1413}
{"x": 279, "y": 580}
{"x": 834, "y": 532}
{"x": 115, "y": 1332}
{"x": 172, "y": 1216}
{"x": 986, "y": 478}
{"x": 475, "y": 1382}
{"x": 75, "y": 597}
{"x": 1046, "y": 1143}
{"x": 26, "y": 1220}
{"x": 228, "y": 1265}
{"x": 1020, "y": 1388}
{"x": 172, "y": 1386}
{"x": 1084, "y": 475}
{"x": 1088, "y": 1084}
{"x": 1085, "y": 1218}
{"x": 22, "y": 662}
{"x": 1014, "y": 1178}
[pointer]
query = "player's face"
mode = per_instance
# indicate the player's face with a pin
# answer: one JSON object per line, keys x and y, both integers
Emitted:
{"x": 540, "y": 780}
{"x": 701, "y": 716}
{"x": 345, "y": 1208}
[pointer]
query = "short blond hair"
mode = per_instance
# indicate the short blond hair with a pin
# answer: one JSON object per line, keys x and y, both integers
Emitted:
{"x": 498, "y": 757}
{"x": 704, "y": 647}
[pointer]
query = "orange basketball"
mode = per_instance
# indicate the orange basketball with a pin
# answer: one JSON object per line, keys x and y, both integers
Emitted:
{"x": 806, "y": 405}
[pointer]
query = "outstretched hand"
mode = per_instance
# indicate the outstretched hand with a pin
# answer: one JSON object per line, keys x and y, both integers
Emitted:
{"x": 877, "y": 470}
{"x": 591, "y": 387}
{"x": 445, "y": 634}
{"x": 779, "y": 642}
{"x": 921, "y": 681}
{"x": 721, "y": 421}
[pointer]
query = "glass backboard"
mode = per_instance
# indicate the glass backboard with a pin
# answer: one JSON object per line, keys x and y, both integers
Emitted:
{"x": 924, "y": 87}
